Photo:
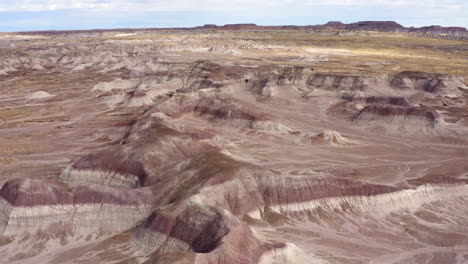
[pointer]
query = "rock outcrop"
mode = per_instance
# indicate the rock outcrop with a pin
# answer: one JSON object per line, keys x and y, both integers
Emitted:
{"x": 441, "y": 84}
{"x": 111, "y": 168}
{"x": 401, "y": 116}
{"x": 329, "y": 137}
{"x": 383, "y": 26}
{"x": 391, "y": 26}
{"x": 440, "y": 32}
{"x": 51, "y": 206}
{"x": 339, "y": 82}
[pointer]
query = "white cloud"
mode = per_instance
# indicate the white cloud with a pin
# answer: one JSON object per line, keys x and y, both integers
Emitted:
{"x": 147, "y": 13}
{"x": 210, "y": 5}
{"x": 45, "y": 5}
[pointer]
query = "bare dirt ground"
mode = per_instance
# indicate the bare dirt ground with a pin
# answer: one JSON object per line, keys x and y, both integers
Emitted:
{"x": 214, "y": 146}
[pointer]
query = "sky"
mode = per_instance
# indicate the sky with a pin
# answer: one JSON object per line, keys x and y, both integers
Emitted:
{"x": 25, "y": 15}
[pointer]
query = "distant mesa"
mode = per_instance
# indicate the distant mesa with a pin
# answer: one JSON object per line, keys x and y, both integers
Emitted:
{"x": 209, "y": 26}
{"x": 379, "y": 26}
{"x": 392, "y": 26}
{"x": 365, "y": 25}
{"x": 229, "y": 26}
{"x": 335, "y": 24}
{"x": 433, "y": 31}
{"x": 240, "y": 26}
{"x": 441, "y": 32}
{"x": 375, "y": 26}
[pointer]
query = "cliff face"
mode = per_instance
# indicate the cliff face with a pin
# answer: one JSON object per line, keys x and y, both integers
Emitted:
{"x": 442, "y": 84}
{"x": 440, "y": 32}
{"x": 31, "y": 205}
{"x": 383, "y": 26}
{"x": 391, "y": 26}
{"x": 379, "y": 26}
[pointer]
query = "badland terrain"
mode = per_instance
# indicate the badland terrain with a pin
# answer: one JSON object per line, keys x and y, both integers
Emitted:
{"x": 339, "y": 143}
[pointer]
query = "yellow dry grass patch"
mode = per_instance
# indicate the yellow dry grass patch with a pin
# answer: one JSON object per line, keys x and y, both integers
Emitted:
{"x": 8, "y": 161}
{"x": 8, "y": 114}
{"x": 18, "y": 145}
{"x": 9, "y": 149}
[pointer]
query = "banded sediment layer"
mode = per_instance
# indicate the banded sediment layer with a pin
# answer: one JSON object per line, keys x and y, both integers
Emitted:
{"x": 207, "y": 148}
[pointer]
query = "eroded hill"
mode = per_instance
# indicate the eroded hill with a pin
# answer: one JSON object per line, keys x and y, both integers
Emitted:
{"x": 221, "y": 146}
